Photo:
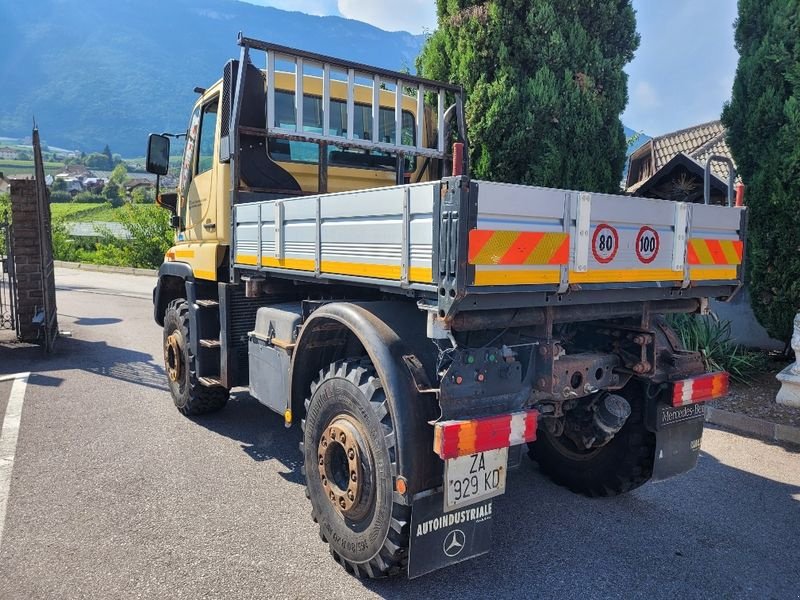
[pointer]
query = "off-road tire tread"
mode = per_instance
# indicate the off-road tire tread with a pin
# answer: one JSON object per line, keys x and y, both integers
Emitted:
{"x": 202, "y": 399}
{"x": 392, "y": 559}
{"x": 634, "y": 470}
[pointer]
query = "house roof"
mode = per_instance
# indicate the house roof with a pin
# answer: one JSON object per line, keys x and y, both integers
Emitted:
{"x": 685, "y": 140}
{"x": 719, "y": 146}
{"x": 697, "y": 142}
{"x": 642, "y": 188}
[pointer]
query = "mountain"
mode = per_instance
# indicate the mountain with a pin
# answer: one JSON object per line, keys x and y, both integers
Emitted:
{"x": 94, "y": 72}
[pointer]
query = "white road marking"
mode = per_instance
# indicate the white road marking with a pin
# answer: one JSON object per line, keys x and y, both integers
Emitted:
{"x": 8, "y": 440}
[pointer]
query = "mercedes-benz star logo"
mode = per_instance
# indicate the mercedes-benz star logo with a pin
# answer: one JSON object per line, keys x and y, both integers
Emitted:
{"x": 454, "y": 543}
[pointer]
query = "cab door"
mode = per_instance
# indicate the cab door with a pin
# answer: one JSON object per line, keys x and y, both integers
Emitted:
{"x": 198, "y": 212}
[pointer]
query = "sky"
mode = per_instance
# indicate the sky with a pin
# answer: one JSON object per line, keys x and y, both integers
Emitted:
{"x": 681, "y": 75}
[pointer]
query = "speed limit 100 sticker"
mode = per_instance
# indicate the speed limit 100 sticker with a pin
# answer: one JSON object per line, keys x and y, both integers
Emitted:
{"x": 647, "y": 243}
{"x": 605, "y": 243}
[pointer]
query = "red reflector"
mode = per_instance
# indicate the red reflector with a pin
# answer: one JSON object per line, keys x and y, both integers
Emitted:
{"x": 700, "y": 389}
{"x": 461, "y": 438}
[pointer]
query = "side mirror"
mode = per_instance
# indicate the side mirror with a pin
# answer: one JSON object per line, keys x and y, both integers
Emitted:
{"x": 157, "y": 154}
{"x": 169, "y": 201}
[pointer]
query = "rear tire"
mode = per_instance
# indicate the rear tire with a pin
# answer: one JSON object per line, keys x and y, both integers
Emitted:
{"x": 350, "y": 467}
{"x": 622, "y": 465}
{"x": 189, "y": 395}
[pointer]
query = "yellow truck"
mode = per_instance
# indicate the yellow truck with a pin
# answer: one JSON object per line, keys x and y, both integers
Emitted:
{"x": 334, "y": 256}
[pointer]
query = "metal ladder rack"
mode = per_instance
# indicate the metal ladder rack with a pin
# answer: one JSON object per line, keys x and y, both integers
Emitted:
{"x": 405, "y": 85}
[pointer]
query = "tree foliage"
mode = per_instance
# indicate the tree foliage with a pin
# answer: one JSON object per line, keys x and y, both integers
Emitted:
{"x": 544, "y": 83}
{"x": 763, "y": 124}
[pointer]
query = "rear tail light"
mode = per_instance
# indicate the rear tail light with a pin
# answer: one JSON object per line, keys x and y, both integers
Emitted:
{"x": 462, "y": 438}
{"x": 700, "y": 389}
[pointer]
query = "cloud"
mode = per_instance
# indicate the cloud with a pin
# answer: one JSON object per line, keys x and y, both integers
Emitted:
{"x": 410, "y": 15}
{"x": 415, "y": 16}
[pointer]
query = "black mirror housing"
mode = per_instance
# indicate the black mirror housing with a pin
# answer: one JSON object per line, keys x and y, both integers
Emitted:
{"x": 168, "y": 200}
{"x": 157, "y": 154}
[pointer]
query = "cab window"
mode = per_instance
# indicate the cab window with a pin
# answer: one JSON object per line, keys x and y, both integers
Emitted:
{"x": 308, "y": 152}
{"x": 208, "y": 128}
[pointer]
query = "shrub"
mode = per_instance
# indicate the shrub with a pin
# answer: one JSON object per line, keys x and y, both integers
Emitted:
{"x": 58, "y": 196}
{"x": 545, "y": 86}
{"x": 763, "y": 124}
{"x": 89, "y": 197}
{"x": 711, "y": 337}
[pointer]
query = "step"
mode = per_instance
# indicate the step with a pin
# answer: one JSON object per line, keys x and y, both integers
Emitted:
{"x": 207, "y": 303}
{"x": 209, "y": 381}
{"x": 210, "y": 343}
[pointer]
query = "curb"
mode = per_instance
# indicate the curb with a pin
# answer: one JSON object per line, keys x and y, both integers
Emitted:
{"x": 758, "y": 427}
{"x": 106, "y": 268}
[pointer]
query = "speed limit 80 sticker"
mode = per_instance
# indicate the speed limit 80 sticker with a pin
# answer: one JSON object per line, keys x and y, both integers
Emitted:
{"x": 605, "y": 243}
{"x": 647, "y": 245}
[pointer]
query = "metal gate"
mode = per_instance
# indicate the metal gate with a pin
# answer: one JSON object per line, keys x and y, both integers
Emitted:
{"x": 8, "y": 288}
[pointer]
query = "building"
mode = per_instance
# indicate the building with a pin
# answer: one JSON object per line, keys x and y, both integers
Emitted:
{"x": 672, "y": 166}
{"x": 8, "y": 153}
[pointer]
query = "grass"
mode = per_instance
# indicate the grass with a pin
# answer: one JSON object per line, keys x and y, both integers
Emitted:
{"x": 80, "y": 213}
{"x": 6, "y": 162}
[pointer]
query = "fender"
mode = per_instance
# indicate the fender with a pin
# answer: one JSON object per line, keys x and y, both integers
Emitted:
{"x": 172, "y": 278}
{"x": 389, "y": 333}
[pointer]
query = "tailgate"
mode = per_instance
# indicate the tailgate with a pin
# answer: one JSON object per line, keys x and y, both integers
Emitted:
{"x": 524, "y": 235}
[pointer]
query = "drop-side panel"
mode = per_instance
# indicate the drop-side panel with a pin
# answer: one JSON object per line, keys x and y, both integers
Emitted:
{"x": 380, "y": 234}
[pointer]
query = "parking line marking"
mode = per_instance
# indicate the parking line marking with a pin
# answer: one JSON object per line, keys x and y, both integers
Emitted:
{"x": 8, "y": 441}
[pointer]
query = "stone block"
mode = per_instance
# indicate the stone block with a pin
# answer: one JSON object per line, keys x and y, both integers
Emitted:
{"x": 789, "y": 394}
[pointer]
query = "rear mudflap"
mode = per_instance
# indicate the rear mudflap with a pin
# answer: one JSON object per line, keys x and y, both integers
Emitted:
{"x": 440, "y": 539}
{"x": 679, "y": 433}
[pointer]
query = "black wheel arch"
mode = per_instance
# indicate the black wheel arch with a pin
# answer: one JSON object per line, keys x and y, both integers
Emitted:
{"x": 388, "y": 332}
{"x": 171, "y": 285}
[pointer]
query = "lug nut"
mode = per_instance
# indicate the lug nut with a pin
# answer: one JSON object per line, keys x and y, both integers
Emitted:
{"x": 332, "y": 496}
{"x": 343, "y": 438}
{"x": 353, "y": 476}
{"x": 342, "y": 503}
{"x": 351, "y": 454}
{"x": 321, "y": 460}
{"x": 351, "y": 495}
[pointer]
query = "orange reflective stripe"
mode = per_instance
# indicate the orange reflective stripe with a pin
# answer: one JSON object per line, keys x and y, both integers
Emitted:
{"x": 714, "y": 252}
{"x": 522, "y": 248}
{"x": 488, "y": 247}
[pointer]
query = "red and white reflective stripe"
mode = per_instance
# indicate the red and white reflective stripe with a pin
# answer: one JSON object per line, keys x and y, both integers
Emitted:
{"x": 700, "y": 389}
{"x": 462, "y": 438}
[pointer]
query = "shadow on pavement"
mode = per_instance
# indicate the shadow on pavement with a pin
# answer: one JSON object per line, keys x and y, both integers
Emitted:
{"x": 91, "y": 321}
{"x": 259, "y": 431}
{"x": 75, "y": 354}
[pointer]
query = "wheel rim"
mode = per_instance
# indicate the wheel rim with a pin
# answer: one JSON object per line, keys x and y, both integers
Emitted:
{"x": 173, "y": 356}
{"x": 345, "y": 466}
{"x": 565, "y": 446}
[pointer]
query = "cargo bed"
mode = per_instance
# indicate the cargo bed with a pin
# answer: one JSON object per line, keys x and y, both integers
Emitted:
{"x": 466, "y": 245}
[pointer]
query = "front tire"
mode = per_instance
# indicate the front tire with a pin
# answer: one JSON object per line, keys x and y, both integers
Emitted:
{"x": 622, "y": 465}
{"x": 349, "y": 463}
{"x": 189, "y": 395}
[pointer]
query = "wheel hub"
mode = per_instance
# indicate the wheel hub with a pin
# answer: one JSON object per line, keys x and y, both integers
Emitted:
{"x": 173, "y": 356}
{"x": 340, "y": 465}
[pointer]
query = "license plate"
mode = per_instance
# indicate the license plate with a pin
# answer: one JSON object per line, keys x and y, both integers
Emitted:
{"x": 474, "y": 478}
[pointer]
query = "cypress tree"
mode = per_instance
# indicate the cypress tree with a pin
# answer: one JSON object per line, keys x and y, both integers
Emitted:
{"x": 763, "y": 130}
{"x": 544, "y": 84}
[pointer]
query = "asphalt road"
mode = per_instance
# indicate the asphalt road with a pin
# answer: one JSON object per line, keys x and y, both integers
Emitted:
{"x": 115, "y": 495}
